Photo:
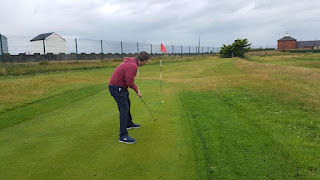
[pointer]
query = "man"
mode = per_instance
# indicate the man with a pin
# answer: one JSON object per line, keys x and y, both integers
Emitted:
{"x": 122, "y": 79}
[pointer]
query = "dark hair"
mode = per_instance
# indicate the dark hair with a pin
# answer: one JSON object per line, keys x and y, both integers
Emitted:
{"x": 143, "y": 56}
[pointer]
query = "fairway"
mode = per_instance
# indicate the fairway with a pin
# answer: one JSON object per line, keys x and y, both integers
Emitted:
{"x": 250, "y": 118}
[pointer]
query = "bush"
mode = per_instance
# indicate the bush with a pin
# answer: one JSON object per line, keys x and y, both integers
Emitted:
{"x": 237, "y": 49}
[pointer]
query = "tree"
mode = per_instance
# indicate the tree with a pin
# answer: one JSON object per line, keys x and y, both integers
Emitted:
{"x": 237, "y": 49}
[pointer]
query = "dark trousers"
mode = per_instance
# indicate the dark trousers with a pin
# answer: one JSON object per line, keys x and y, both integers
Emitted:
{"x": 121, "y": 96}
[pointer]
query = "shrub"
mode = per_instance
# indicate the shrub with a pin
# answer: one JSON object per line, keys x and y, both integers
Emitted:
{"x": 237, "y": 49}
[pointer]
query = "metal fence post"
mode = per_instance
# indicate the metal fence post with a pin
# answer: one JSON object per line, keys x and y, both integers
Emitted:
{"x": 121, "y": 48}
{"x": 137, "y": 48}
{"x": 77, "y": 57}
{"x": 44, "y": 49}
{"x": 101, "y": 50}
{"x": 2, "y": 56}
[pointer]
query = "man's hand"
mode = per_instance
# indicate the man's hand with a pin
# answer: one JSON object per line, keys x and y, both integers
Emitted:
{"x": 138, "y": 93}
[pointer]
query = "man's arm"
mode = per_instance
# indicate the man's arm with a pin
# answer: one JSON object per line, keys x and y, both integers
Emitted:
{"x": 130, "y": 74}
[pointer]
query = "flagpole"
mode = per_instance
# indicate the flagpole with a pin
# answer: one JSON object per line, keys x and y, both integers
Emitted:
{"x": 161, "y": 75}
{"x": 162, "y": 49}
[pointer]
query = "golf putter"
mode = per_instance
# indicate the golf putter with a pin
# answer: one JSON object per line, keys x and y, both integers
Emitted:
{"x": 154, "y": 119}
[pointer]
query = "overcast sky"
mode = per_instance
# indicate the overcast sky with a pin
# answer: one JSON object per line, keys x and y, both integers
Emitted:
{"x": 178, "y": 22}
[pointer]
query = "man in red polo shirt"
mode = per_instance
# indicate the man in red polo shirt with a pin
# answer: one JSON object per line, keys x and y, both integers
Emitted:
{"x": 122, "y": 79}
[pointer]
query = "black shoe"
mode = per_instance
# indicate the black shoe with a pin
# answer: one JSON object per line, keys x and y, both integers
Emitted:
{"x": 133, "y": 126}
{"x": 127, "y": 139}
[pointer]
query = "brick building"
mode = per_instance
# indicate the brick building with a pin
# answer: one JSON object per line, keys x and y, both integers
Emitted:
{"x": 288, "y": 42}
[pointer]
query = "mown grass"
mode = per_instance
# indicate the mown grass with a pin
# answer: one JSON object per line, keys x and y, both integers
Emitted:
{"x": 254, "y": 118}
{"x": 37, "y": 108}
{"x": 239, "y": 133}
{"x": 80, "y": 140}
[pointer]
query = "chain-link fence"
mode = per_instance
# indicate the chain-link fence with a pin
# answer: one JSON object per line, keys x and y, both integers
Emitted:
{"x": 52, "y": 46}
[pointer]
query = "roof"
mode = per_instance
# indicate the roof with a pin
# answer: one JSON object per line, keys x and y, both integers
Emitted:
{"x": 41, "y": 36}
{"x": 308, "y": 43}
{"x": 287, "y": 38}
{"x": 3, "y": 35}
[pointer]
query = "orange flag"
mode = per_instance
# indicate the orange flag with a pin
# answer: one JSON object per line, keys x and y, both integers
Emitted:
{"x": 163, "y": 49}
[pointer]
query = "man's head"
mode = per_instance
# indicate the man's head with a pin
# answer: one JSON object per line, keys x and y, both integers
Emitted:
{"x": 142, "y": 58}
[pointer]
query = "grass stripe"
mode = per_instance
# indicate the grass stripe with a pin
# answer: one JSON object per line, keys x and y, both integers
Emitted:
{"x": 37, "y": 108}
{"x": 234, "y": 137}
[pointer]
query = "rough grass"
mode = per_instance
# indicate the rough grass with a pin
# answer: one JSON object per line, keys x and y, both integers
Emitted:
{"x": 51, "y": 66}
{"x": 298, "y": 60}
{"x": 15, "y": 69}
{"x": 254, "y": 118}
{"x": 17, "y": 91}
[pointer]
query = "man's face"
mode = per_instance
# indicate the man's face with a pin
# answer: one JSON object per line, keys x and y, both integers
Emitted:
{"x": 142, "y": 63}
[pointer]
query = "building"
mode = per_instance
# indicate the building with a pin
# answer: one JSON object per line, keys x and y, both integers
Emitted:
{"x": 4, "y": 45}
{"x": 48, "y": 43}
{"x": 308, "y": 44}
{"x": 288, "y": 42}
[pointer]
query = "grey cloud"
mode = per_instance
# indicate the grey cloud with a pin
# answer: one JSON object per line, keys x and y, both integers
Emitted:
{"x": 177, "y": 22}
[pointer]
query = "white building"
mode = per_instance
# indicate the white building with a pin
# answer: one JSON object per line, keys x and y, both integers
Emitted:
{"x": 51, "y": 42}
{"x": 4, "y": 45}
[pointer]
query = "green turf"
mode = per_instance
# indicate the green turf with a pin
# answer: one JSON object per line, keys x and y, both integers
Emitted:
{"x": 242, "y": 134}
{"x": 255, "y": 118}
{"x": 80, "y": 140}
{"x": 37, "y": 108}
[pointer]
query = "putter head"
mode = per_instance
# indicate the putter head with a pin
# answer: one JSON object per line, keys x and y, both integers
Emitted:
{"x": 155, "y": 119}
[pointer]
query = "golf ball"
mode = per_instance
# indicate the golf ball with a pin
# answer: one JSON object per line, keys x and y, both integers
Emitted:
{"x": 162, "y": 101}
